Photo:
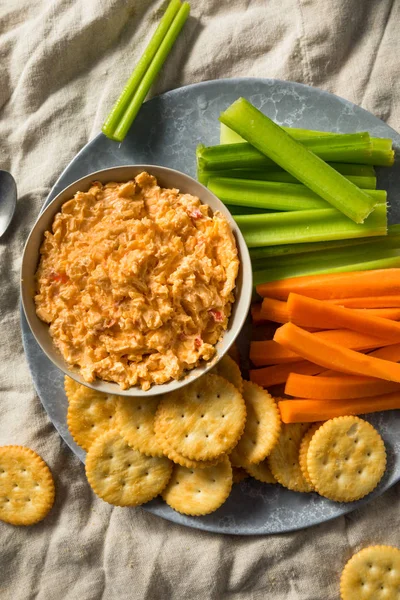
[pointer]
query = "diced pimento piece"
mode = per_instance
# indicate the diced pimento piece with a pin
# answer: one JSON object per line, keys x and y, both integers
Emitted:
{"x": 198, "y": 342}
{"x": 59, "y": 277}
{"x": 217, "y": 315}
{"x": 195, "y": 214}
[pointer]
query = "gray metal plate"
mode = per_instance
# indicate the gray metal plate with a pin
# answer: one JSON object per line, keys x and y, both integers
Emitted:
{"x": 166, "y": 132}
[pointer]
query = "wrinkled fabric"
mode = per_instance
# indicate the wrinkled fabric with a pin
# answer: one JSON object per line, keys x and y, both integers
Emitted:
{"x": 61, "y": 64}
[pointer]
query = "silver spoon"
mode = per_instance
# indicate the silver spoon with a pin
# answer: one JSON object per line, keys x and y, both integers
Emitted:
{"x": 8, "y": 199}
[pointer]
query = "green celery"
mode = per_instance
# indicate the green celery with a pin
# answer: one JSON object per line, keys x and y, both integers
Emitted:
{"x": 294, "y": 157}
{"x": 296, "y": 227}
{"x": 277, "y": 174}
{"x": 272, "y": 195}
{"x": 391, "y": 240}
{"x": 138, "y": 94}
{"x": 134, "y": 80}
{"x": 332, "y": 257}
{"x": 354, "y": 147}
{"x": 267, "y": 275}
{"x": 381, "y": 153}
{"x": 244, "y": 210}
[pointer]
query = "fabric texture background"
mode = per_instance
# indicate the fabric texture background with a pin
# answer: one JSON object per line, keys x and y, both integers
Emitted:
{"x": 62, "y": 62}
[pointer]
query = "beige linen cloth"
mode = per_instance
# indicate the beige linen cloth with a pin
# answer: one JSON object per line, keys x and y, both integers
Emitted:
{"x": 62, "y": 64}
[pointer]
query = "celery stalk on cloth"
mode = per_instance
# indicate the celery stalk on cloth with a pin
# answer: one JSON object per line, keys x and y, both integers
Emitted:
{"x": 135, "y": 91}
{"x": 272, "y": 195}
{"x": 298, "y": 160}
{"x": 296, "y": 227}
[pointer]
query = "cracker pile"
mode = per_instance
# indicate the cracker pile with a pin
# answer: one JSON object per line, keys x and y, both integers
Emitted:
{"x": 191, "y": 445}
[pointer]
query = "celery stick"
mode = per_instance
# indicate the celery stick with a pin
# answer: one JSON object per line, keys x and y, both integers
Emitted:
{"x": 272, "y": 195}
{"x": 352, "y": 147}
{"x": 296, "y": 227}
{"x": 294, "y": 157}
{"x": 244, "y": 210}
{"x": 228, "y": 136}
{"x": 277, "y": 174}
{"x": 140, "y": 69}
{"x": 140, "y": 94}
{"x": 267, "y": 275}
{"x": 391, "y": 240}
{"x": 331, "y": 257}
{"x": 381, "y": 154}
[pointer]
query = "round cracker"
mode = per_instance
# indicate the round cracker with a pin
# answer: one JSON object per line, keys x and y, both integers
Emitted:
{"x": 90, "y": 414}
{"x": 261, "y": 472}
{"x": 26, "y": 486}
{"x": 198, "y": 492}
{"x": 179, "y": 459}
{"x": 203, "y": 419}
{"x": 305, "y": 442}
{"x": 372, "y": 573}
{"x": 229, "y": 369}
{"x": 135, "y": 422}
{"x": 284, "y": 458}
{"x": 238, "y": 474}
{"x": 123, "y": 476}
{"x": 346, "y": 459}
{"x": 71, "y": 387}
{"x": 263, "y": 425}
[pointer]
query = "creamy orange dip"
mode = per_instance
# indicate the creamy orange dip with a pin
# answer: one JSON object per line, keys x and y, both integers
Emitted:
{"x": 136, "y": 282}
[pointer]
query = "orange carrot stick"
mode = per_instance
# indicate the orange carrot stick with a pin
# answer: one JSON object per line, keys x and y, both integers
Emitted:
{"x": 333, "y": 356}
{"x": 357, "y": 284}
{"x": 339, "y": 387}
{"x": 368, "y": 302}
{"x": 316, "y": 313}
{"x": 277, "y": 311}
{"x": 268, "y": 352}
{"x": 391, "y": 353}
{"x": 274, "y": 310}
{"x": 278, "y": 374}
{"x": 309, "y": 411}
{"x": 256, "y": 316}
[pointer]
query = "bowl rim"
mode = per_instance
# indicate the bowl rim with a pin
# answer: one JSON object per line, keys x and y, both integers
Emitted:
{"x": 240, "y": 306}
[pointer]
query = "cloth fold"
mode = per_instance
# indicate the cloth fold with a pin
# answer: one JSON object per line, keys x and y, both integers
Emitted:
{"x": 63, "y": 64}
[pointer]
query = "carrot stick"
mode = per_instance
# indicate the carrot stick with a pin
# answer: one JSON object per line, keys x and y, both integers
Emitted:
{"x": 256, "y": 316}
{"x": 391, "y": 353}
{"x": 333, "y": 356}
{"x": 315, "y": 313}
{"x": 309, "y": 411}
{"x": 274, "y": 310}
{"x": 357, "y": 284}
{"x": 268, "y": 352}
{"x": 339, "y": 387}
{"x": 368, "y": 302}
{"x": 277, "y": 311}
{"x": 278, "y": 374}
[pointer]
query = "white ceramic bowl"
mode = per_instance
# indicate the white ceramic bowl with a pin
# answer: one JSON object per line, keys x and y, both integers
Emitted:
{"x": 167, "y": 178}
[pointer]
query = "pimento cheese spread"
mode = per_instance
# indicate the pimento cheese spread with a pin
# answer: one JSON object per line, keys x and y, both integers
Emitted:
{"x": 136, "y": 282}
